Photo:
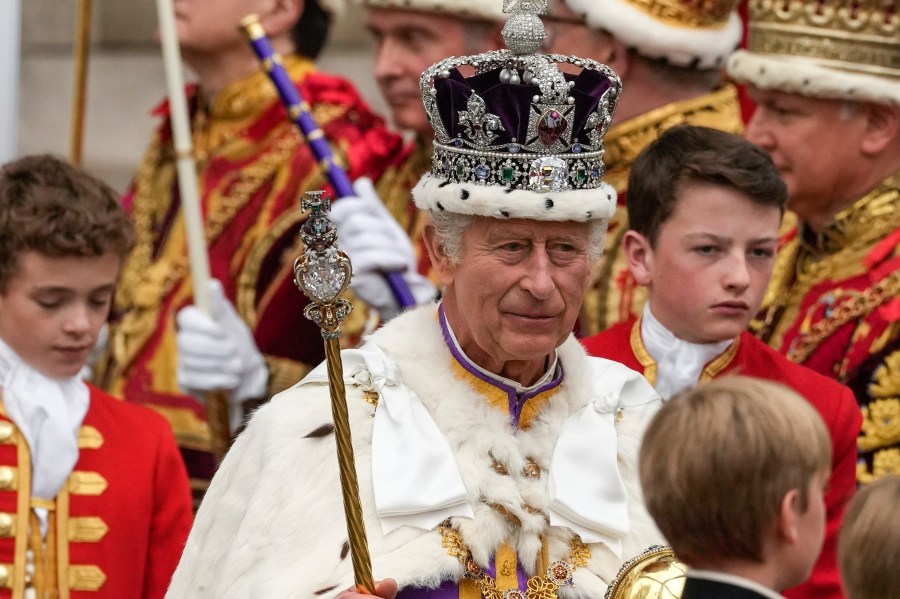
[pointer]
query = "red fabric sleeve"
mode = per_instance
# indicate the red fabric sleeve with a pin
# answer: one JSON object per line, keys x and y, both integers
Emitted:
{"x": 172, "y": 516}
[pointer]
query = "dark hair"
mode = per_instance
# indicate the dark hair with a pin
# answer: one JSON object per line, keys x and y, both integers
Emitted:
{"x": 51, "y": 207}
{"x": 311, "y": 31}
{"x": 697, "y": 154}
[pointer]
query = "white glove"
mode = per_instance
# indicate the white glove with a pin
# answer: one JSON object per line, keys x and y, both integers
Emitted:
{"x": 376, "y": 244}
{"x": 219, "y": 353}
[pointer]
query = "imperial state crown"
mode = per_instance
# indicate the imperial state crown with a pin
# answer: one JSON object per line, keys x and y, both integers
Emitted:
{"x": 516, "y": 136}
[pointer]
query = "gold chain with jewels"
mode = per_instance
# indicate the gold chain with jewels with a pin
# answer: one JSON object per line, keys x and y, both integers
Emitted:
{"x": 886, "y": 289}
{"x": 854, "y": 232}
{"x": 539, "y": 586}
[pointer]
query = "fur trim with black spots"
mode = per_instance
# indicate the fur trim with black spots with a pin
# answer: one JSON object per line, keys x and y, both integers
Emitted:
{"x": 811, "y": 78}
{"x": 580, "y": 205}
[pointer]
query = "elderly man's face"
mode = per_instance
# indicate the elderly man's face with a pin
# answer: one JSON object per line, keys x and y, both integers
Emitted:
{"x": 816, "y": 146}
{"x": 516, "y": 292}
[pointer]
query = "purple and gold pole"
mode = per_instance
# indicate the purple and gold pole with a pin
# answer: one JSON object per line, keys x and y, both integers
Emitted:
{"x": 322, "y": 274}
{"x": 300, "y": 114}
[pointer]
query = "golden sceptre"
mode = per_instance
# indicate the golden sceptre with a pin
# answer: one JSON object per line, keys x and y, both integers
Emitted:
{"x": 322, "y": 274}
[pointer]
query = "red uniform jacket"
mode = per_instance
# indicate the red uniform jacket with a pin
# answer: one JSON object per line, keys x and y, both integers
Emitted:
{"x": 834, "y": 402}
{"x": 119, "y": 524}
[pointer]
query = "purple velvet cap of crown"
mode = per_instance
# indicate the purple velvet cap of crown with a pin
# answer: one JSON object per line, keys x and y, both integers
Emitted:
{"x": 513, "y": 104}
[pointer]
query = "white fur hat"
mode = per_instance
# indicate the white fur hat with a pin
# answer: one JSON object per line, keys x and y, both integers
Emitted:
{"x": 703, "y": 34}
{"x": 490, "y": 10}
{"x": 822, "y": 50}
{"x": 437, "y": 194}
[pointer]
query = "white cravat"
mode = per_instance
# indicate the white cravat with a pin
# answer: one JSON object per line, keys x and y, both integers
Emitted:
{"x": 679, "y": 363}
{"x": 48, "y": 412}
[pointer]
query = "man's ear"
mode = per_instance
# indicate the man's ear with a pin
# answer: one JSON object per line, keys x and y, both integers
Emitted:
{"x": 788, "y": 515}
{"x": 882, "y": 128}
{"x": 440, "y": 262}
{"x": 620, "y": 58}
{"x": 281, "y": 16}
{"x": 639, "y": 256}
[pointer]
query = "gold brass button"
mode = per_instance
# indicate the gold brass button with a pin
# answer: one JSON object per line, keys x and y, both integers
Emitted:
{"x": 6, "y": 431}
{"x": 6, "y": 524}
{"x": 7, "y": 475}
{"x": 4, "y": 576}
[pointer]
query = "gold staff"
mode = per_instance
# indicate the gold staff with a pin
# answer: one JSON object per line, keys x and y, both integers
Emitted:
{"x": 322, "y": 274}
{"x": 79, "y": 86}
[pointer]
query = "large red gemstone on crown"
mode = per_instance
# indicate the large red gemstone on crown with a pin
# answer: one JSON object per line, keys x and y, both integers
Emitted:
{"x": 551, "y": 127}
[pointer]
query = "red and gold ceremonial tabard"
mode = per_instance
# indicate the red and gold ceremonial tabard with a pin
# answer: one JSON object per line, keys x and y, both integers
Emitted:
{"x": 748, "y": 356}
{"x": 118, "y": 526}
{"x": 253, "y": 167}
{"x": 834, "y": 305}
{"x": 613, "y": 295}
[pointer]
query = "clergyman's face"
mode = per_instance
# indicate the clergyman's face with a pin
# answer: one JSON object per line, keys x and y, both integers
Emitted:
{"x": 517, "y": 290}
{"x": 53, "y": 309}
{"x": 711, "y": 264}
{"x": 407, "y": 43}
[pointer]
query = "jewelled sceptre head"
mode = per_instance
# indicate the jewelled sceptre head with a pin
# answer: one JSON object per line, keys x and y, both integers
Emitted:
{"x": 322, "y": 273}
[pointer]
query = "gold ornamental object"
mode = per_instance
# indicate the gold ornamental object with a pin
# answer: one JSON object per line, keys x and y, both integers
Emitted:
{"x": 654, "y": 574}
{"x": 322, "y": 273}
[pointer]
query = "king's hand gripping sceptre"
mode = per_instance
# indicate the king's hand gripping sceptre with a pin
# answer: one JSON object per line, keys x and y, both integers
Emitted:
{"x": 322, "y": 274}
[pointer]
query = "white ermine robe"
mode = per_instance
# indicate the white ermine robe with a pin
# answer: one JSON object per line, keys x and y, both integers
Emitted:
{"x": 272, "y": 523}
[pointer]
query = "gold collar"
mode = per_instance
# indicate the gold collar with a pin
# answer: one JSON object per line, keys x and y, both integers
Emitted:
{"x": 710, "y": 371}
{"x": 866, "y": 220}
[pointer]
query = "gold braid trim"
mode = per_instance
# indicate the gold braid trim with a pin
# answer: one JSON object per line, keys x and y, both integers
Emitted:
{"x": 148, "y": 276}
{"x": 854, "y": 307}
{"x": 881, "y": 423}
{"x": 145, "y": 282}
{"x": 540, "y": 586}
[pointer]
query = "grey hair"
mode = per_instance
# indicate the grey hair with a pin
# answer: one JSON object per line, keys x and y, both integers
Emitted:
{"x": 449, "y": 228}
{"x": 848, "y": 109}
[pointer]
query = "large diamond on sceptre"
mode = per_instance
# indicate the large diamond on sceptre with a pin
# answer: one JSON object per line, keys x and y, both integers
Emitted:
{"x": 324, "y": 271}
{"x": 322, "y": 274}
